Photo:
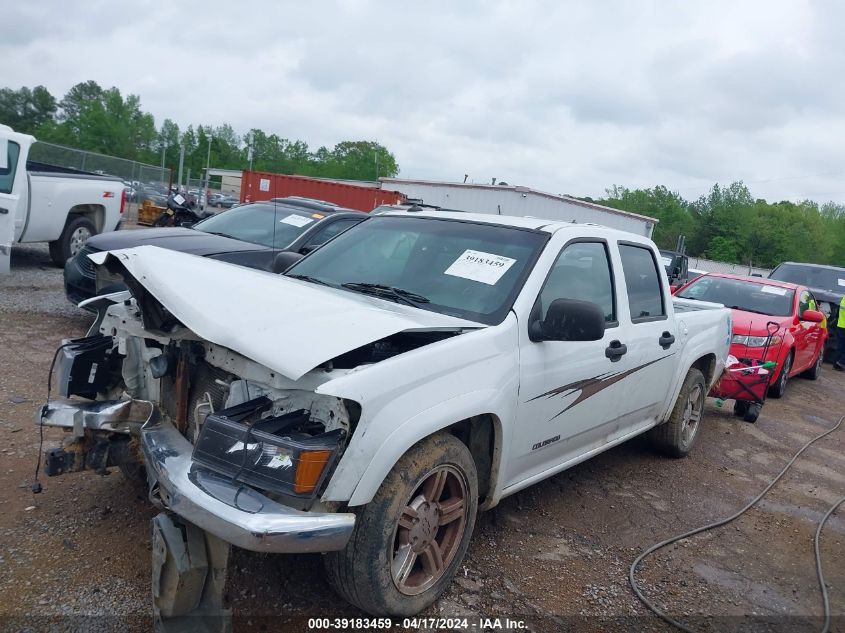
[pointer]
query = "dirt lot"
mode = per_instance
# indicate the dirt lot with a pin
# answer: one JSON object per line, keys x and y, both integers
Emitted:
{"x": 556, "y": 555}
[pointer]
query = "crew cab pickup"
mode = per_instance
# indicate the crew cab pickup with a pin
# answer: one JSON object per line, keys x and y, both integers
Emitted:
{"x": 45, "y": 203}
{"x": 367, "y": 403}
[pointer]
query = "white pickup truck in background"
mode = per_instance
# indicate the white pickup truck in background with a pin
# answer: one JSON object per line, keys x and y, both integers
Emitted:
{"x": 372, "y": 399}
{"x": 44, "y": 203}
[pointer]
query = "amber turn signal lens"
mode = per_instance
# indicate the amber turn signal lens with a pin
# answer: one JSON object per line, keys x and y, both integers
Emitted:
{"x": 309, "y": 469}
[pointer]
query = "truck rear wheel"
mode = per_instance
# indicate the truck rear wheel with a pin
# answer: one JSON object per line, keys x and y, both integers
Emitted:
{"x": 77, "y": 230}
{"x": 676, "y": 436}
{"x": 410, "y": 539}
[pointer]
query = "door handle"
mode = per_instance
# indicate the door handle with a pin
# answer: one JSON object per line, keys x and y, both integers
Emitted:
{"x": 666, "y": 339}
{"x": 615, "y": 351}
{"x": 3, "y": 211}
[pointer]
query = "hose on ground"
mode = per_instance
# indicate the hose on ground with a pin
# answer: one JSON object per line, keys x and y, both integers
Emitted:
{"x": 704, "y": 528}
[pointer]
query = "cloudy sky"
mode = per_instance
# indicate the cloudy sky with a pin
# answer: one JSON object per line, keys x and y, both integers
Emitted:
{"x": 566, "y": 97}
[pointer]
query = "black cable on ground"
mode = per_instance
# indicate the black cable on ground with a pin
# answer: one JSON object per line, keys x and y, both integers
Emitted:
{"x": 36, "y": 484}
{"x": 825, "y": 598}
{"x": 704, "y": 528}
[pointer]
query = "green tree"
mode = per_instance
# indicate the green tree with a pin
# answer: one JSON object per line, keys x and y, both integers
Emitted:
{"x": 666, "y": 206}
{"x": 26, "y": 110}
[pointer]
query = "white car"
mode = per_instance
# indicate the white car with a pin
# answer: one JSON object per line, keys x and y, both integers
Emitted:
{"x": 411, "y": 372}
{"x": 43, "y": 203}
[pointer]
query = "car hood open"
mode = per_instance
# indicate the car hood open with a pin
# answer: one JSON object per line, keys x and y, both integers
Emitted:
{"x": 287, "y": 325}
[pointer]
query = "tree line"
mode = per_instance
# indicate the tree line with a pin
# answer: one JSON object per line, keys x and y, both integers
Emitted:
{"x": 729, "y": 225}
{"x": 102, "y": 120}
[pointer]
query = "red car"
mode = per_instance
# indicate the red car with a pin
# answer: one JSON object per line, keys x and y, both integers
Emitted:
{"x": 797, "y": 345}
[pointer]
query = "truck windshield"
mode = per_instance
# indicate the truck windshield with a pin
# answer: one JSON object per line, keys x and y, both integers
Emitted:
{"x": 740, "y": 294}
{"x": 270, "y": 225}
{"x": 830, "y": 279}
{"x": 465, "y": 269}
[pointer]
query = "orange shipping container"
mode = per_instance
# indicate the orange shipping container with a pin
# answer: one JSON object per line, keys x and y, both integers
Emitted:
{"x": 256, "y": 185}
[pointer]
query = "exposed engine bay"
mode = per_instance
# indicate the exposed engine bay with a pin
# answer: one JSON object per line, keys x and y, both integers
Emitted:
{"x": 246, "y": 422}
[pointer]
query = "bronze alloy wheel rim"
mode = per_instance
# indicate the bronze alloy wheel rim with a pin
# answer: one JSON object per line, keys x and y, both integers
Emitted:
{"x": 429, "y": 531}
{"x": 692, "y": 413}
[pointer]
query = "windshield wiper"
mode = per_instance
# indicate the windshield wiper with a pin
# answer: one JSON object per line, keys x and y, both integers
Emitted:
{"x": 313, "y": 280}
{"x": 749, "y": 310}
{"x": 389, "y": 292}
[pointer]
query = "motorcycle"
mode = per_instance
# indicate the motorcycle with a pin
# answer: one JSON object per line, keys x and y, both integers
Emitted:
{"x": 179, "y": 212}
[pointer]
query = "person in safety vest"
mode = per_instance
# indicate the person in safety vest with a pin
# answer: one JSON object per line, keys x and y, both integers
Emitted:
{"x": 839, "y": 363}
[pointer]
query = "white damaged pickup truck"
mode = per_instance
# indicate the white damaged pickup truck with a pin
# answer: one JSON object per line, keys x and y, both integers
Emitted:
{"x": 372, "y": 399}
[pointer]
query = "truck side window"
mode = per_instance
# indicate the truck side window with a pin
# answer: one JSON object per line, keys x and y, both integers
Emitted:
{"x": 582, "y": 271}
{"x": 645, "y": 293}
{"x": 7, "y": 174}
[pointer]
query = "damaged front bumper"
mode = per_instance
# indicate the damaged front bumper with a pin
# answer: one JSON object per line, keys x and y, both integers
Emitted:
{"x": 231, "y": 511}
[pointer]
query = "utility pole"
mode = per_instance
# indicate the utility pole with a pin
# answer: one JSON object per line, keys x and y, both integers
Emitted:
{"x": 204, "y": 192}
{"x": 181, "y": 164}
{"x": 376, "y": 162}
{"x": 249, "y": 149}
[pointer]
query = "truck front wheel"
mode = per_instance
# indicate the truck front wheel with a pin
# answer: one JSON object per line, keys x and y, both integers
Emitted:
{"x": 410, "y": 539}
{"x": 77, "y": 230}
{"x": 676, "y": 436}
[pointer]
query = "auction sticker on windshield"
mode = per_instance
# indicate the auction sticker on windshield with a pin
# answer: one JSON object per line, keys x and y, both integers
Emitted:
{"x": 774, "y": 290}
{"x": 296, "y": 220}
{"x": 479, "y": 266}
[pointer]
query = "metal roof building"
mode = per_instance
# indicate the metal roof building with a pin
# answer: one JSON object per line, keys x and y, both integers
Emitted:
{"x": 521, "y": 201}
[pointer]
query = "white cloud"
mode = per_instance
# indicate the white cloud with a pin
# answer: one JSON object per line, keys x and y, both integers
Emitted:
{"x": 565, "y": 97}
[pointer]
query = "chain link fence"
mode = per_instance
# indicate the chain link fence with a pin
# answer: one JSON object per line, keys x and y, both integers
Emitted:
{"x": 130, "y": 171}
{"x": 711, "y": 266}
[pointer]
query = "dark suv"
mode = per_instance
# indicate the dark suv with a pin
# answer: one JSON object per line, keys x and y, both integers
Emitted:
{"x": 250, "y": 235}
{"x": 827, "y": 283}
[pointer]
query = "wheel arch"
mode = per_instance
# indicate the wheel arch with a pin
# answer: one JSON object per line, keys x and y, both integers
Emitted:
{"x": 94, "y": 212}
{"x": 481, "y": 432}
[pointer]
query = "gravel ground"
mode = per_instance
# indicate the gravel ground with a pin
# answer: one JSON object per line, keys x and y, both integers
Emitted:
{"x": 77, "y": 556}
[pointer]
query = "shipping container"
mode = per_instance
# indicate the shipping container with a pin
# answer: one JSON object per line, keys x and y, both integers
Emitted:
{"x": 363, "y": 196}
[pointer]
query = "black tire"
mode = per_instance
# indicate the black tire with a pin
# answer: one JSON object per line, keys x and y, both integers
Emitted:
{"x": 816, "y": 370}
{"x": 778, "y": 388}
{"x": 741, "y": 408}
{"x": 753, "y": 412}
{"x": 363, "y": 573}
{"x": 676, "y": 436}
{"x": 77, "y": 230}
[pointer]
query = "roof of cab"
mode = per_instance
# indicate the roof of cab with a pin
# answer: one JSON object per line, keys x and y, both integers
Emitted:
{"x": 524, "y": 222}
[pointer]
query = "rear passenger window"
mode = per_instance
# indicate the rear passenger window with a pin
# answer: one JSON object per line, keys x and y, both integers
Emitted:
{"x": 582, "y": 271}
{"x": 645, "y": 292}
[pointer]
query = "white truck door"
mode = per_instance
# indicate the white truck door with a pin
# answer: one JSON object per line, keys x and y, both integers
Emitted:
{"x": 650, "y": 333}
{"x": 12, "y": 182}
{"x": 569, "y": 397}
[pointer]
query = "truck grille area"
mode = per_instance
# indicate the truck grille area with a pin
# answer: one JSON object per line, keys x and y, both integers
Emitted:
{"x": 202, "y": 385}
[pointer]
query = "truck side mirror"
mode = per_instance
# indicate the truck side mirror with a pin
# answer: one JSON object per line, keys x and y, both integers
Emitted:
{"x": 569, "y": 320}
{"x": 284, "y": 260}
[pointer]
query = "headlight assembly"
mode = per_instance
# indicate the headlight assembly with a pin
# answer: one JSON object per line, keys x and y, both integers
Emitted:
{"x": 277, "y": 453}
{"x": 754, "y": 341}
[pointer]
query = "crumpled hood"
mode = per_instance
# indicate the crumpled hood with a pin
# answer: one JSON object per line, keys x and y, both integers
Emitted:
{"x": 287, "y": 325}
